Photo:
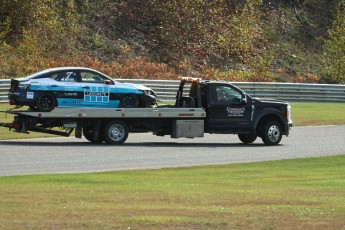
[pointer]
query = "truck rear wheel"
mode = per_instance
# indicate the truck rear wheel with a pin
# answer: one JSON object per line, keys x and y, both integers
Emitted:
{"x": 247, "y": 138}
{"x": 89, "y": 135}
{"x": 271, "y": 133}
{"x": 115, "y": 132}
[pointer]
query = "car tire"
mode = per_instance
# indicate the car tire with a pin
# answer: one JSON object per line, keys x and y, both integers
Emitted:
{"x": 271, "y": 133}
{"x": 129, "y": 101}
{"x": 115, "y": 132}
{"x": 46, "y": 102}
{"x": 247, "y": 138}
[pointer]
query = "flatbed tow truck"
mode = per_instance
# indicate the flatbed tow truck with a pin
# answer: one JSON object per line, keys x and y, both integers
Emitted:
{"x": 200, "y": 107}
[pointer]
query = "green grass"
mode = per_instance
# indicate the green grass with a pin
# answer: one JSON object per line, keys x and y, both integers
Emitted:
{"x": 290, "y": 194}
{"x": 5, "y": 134}
{"x": 302, "y": 113}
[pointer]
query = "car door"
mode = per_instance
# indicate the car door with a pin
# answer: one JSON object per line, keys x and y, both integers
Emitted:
{"x": 64, "y": 84}
{"x": 228, "y": 108}
{"x": 96, "y": 90}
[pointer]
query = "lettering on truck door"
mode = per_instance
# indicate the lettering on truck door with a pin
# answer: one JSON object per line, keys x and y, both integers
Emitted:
{"x": 228, "y": 109}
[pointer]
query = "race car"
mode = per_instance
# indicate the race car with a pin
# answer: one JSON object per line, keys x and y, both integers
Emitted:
{"x": 77, "y": 87}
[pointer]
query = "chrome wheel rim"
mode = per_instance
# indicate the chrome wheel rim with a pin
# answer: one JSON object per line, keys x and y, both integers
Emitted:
{"x": 116, "y": 132}
{"x": 273, "y": 133}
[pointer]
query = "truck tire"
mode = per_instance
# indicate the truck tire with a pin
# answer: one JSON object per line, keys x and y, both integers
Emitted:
{"x": 271, "y": 133}
{"x": 45, "y": 102}
{"x": 247, "y": 138}
{"x": 115, "y": 132}
{"x": 89, "y": 135}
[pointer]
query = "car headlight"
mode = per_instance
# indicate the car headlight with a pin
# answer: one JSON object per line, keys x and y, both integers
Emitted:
{"x": 149, "y": 93}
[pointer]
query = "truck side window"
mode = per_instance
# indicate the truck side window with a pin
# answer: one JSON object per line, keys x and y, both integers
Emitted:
{"x": 227, "y": 95}
{"x": 203, "y": 95}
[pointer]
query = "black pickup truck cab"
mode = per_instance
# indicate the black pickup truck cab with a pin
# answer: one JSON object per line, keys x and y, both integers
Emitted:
{"x": 229, "y": 110}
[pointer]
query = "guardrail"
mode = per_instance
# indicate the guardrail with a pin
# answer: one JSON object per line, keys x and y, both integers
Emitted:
{"x": 166, "y": 90}
{"x": 4, "y": 87}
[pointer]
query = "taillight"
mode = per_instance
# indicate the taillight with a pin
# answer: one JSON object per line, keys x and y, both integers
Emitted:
{"x": 15, "y": 84}
{"x": 16, "y": 126}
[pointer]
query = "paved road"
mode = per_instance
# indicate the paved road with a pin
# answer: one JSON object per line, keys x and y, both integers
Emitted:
{"x": 145, "y": 151}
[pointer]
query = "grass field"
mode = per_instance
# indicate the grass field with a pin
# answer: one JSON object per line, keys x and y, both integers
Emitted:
{"x": 288, "y": 194}
{"x": 302, "y": 113}
{"x": 5, "y": 134}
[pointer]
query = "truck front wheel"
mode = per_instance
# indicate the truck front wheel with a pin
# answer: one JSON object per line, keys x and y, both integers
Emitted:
{"x": 271, "y": 133}
{"x": 115, "y": 132}
{"x": 247, "y": 138}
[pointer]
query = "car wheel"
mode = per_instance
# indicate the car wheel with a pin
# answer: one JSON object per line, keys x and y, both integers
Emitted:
{"x": 45, "y": 102}
{"x": 129, "y": 101}
{"x": 247, "y": 138}
{"x": 271, "y": 133}
{"x": 115, "y": 132}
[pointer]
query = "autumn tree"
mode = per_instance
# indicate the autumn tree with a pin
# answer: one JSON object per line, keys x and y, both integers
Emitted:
{"x": 334, "y": 56}
{"x": 35, "y": 29}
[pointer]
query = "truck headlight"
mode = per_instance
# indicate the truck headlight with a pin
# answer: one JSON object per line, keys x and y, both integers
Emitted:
{"x": 288, "y": 114}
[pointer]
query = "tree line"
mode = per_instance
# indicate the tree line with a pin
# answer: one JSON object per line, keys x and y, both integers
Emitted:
{"x": 235, "y": 40}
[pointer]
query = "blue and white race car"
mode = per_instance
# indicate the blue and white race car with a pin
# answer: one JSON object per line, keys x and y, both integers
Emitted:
{"x": 77, "y": 87}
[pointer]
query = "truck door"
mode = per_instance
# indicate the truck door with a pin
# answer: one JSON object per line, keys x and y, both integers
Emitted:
{"x": 229, "y": 108}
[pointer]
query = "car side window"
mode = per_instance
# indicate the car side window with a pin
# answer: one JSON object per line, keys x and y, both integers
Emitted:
{"x": 227, "y": 95}
{"x": 89, "y": 77}
{"x": 68, "y": 76}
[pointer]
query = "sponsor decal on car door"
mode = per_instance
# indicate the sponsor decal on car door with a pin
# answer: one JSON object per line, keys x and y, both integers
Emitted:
{"x": 95, "y": 94}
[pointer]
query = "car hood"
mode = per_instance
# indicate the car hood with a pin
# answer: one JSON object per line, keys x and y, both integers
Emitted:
{"x": 137, "y": 86}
